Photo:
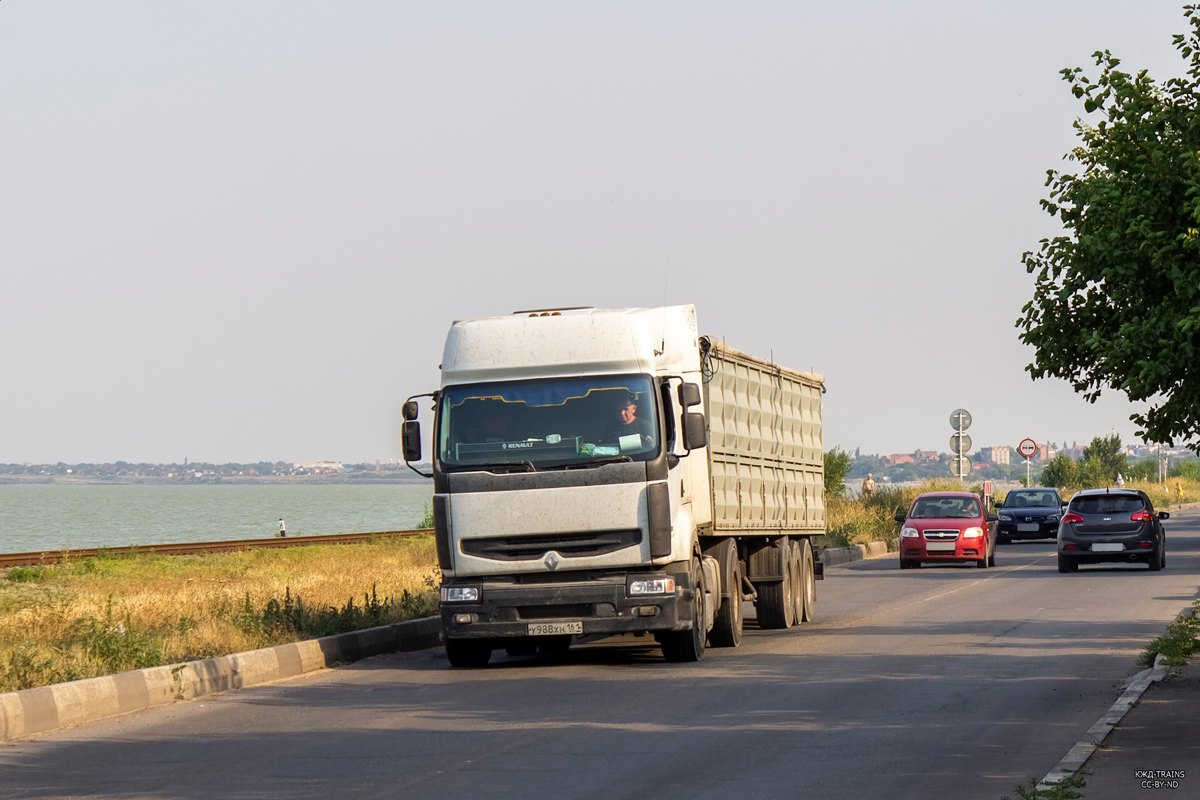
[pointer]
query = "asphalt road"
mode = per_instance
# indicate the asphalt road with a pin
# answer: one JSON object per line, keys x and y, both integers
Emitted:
{"x": 939, "y": 682}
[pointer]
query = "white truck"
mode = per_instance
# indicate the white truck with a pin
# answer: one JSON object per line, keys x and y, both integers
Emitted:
{"x": 601, "y": 471}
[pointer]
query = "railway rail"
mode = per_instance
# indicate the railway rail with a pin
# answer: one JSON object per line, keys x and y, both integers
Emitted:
{"x": 194, "y": 548}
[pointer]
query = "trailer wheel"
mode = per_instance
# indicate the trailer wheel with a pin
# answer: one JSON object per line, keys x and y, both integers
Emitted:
{"x": 468, "y": 652}
{"x": 796, "y": 565}
{"x": 808, "y": 581}
{"x": 776, "y": 600}
{"x": 680, "y": 646}
{"x": 727, "y": 627}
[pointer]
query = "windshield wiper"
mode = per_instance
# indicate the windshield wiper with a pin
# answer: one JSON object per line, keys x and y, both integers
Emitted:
{"x": 591, "y": 462}
{"x": 498, "y": 467}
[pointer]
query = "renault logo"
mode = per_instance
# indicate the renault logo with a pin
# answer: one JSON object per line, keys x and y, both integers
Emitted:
{"x": 552, "y": 561}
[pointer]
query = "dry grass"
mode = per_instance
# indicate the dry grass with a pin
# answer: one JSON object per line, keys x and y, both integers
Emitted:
{"x": 103, "y": 615}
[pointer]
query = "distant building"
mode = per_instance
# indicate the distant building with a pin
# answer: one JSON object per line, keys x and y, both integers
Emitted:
{"x": 925, "y": 456}
{"x": 996, "y": 455}
{"x": 896, "y": 459}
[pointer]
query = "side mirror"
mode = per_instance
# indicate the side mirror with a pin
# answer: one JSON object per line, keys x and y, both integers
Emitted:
{"x": 409, "y": 411}
{"x": 901, "y": 517}
{"x": 410, "y": 437}
{"x": 689, "y": 395}
{"x": 993, "y": 518}
{"x": 1163, "y": 515}
{"x": 695, "y": 430}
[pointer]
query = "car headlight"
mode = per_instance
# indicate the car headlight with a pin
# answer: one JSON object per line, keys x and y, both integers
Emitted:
{"x": 910, "y": 533}
{"x": 1052, "y": 518}
{"x": 1007, "y": 517}
{"x": 641, "y": 587}
{"x": 460, "y": 594}
{"x": 972, "y": 533}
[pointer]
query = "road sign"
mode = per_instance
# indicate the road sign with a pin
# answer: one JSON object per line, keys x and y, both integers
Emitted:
{"x": 961, "y": 466}
{"x": 960, "y": 419}
{"x": 1027, "y": 447}
{"x": 960, "y": 443}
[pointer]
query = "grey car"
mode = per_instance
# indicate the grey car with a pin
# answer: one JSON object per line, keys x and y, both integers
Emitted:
{"x": 1029, "y": 514}
{"x": 1111, "y": 526}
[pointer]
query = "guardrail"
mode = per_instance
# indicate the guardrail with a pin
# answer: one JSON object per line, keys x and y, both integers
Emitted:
{"x": 194, "y": 548}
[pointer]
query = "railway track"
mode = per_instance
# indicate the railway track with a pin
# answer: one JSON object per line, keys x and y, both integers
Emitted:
{"x": 193, "y": 548}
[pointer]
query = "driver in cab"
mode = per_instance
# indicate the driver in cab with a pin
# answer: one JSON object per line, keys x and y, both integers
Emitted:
{"x": 630, "y": 423}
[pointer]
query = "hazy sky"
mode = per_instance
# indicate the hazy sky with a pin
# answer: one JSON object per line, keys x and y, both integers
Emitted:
{"x": 236, "y": 231}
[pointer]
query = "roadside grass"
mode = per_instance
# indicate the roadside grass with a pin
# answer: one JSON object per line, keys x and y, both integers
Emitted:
{"x": 1179, "y": 643}
{"x": 107, "y": 614}
{"x": 1063, "y": 790}
{"x": 852, "y": 520}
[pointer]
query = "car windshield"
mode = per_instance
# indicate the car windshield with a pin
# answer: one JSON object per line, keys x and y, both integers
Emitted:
{"x": 945, "y": 508}
{"x": 1107, "y": 504}
{"x": 1031, "y": 500}
{"x": 549, "y": 423}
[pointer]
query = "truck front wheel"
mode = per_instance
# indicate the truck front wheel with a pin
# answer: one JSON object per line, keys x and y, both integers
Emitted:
{"x": 680, "y": 646}
{"x": 468, "y": 652}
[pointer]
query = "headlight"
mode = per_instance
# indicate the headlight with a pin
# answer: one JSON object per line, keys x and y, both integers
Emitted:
{"x": 910, "y": 533}
{"x": 1052, "y": 518}
{"x": 972, "y": 533}
{"x": 1007, "y": 517}
{"x": 651, "y": 586}
{"x": 460, "y": 594}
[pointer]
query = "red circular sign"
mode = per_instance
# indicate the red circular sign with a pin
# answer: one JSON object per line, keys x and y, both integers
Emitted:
{"x": 1027, "y": 447}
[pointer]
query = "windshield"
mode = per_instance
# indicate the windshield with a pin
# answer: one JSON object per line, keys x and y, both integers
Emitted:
{"x": 1031, "y": 500}
{"x": 945, "y": 508}
{"x": 549, "y": 423}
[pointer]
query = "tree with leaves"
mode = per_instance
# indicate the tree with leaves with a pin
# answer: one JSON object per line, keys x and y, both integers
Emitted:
{"x": 1117, "y": 298}
{"x": 837, "y": 466}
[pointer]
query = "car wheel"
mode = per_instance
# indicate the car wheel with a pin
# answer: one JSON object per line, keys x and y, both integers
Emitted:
{"x": 1156, "y": 559}
{"x": 1067, "y": 564}
{"x": 992, "y": 559}
{"x": 982, "y": 563}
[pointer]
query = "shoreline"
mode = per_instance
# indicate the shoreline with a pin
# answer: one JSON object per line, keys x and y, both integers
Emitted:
{"x": 346, "y": 479}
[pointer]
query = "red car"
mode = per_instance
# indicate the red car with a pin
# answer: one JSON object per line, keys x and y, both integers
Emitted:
{"x": 947, "y": 526}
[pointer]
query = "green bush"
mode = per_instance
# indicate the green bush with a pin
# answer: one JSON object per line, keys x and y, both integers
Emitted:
{"x": 838, "y": 464}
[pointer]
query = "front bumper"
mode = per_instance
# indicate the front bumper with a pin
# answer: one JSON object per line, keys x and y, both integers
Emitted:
{"x": 964, "y": 550}
{"x": 507, "y": 606}
{"x": 1007, "y": 531}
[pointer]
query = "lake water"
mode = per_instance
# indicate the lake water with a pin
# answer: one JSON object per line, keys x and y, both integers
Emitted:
{"x": 53, "y": 517}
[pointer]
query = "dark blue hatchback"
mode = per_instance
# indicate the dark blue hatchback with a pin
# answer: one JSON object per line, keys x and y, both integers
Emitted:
{"x": 1029, "y": 514}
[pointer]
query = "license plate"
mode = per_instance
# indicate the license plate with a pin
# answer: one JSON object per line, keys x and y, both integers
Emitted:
{"x": 554, "y": 628}
{"x": 1028, "y": 526}
{"x": 939, "y": 547}
{"x": 1105, "y": 547}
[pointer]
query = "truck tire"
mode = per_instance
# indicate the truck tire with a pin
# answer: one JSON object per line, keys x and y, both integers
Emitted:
{"x": 808, "y": 581}
{"x": 468, "y": 652}
{"x": 683, "y": 646}
{"x": 776, "y": 600}
{"x": 524, "y": 646}
{"x": 727, "y": 627}
{"x": 797, "y": 583}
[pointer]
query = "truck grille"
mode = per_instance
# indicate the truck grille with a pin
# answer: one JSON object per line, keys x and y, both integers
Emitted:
{"x": 567, "y": 545}
{"x": 941, "y": 536}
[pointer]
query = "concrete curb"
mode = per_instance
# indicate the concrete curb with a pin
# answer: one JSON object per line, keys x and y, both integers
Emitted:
{"x": 832, "y": 556}
{"x": 49, "y": 708}
{"x": 1078, "y": 755}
